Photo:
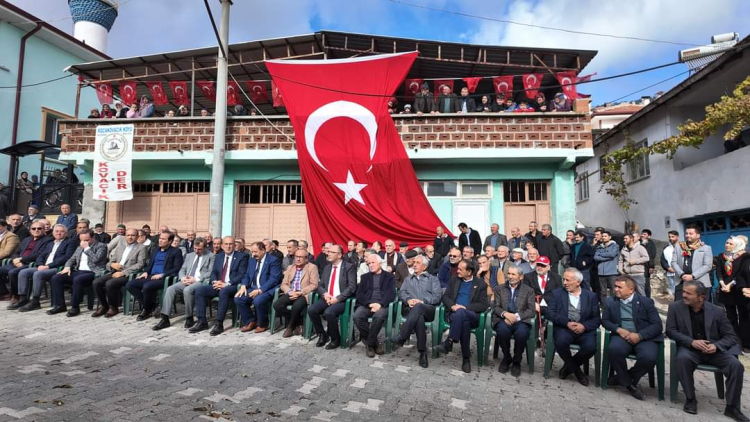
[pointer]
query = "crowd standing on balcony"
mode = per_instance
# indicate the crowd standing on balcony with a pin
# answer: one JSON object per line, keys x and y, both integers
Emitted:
{"x": 509, "y": 281}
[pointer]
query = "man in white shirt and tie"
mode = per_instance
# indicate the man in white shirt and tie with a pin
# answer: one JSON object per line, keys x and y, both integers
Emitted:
{"x": 337, "y": 284}
{"x": 195, "y": 272}
{"x": 127, "y": 258}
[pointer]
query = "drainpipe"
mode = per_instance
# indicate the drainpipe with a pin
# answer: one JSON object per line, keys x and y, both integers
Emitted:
{"x": 17, "y": 110}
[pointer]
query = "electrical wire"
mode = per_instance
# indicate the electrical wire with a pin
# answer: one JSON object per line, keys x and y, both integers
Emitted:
{"x": 37, "y": 83}
{"x": 570, "y": 31}
{"x": 650, "y": 86}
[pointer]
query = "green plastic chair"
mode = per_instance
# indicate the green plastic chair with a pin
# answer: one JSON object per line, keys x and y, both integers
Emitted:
{"x": 307, "y": 325}
{"x": 489, "y": 332}
{"x": 660, "y": 366}
{"x": 349, "y": 341}
{"x": 674, "y": 382}
{"x": 129, "y": 300}
{"x": 550, "y": 354}
{"x": 432, "y": 326}
{"x": 478, "y": 333}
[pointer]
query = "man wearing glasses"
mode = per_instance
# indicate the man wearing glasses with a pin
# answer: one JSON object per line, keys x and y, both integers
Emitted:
{"x": 450, "y": 268}
{"x": 299, "y": 280}
{"x": 30, "y": 249}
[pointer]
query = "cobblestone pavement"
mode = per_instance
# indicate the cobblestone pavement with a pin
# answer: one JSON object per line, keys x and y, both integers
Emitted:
{"x": 57, "y": 368}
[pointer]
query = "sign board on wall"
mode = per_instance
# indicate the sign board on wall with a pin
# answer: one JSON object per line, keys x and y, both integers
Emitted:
{"x": 113, "y": 163}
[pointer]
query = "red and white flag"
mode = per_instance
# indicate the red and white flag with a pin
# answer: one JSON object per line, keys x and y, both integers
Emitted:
{"x": 158, "y": 96}
{"x": 128, "y": 93}
{"x": 411, "y": 87}
{"x": 531, "y": 83}
{"x": 584, "y": 79}
{"x": 471, "y": 84}
{"x": 354, "y": 167}
{"x": 503, "y": 84}
{"x": 179, "y": 92}
{"x": 257, "y": 91}
{"x": 440, "y": 83}
{"x": 567, "y": 81}
{"x": 103, "y": 92}
{"x": 233, "y": 94}
{"x": 277, "y": 100}
{"x": 207, "y": 88}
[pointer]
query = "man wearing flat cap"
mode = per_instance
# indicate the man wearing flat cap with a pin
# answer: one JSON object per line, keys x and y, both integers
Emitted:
{"x": 404, "y": 269}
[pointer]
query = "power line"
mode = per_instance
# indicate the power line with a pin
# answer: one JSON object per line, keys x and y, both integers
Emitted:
{"x": 37, "y": 83}
{"x": 73, "y": 17}
{"x": 570, "y": 31}
{"x": 650, "y": 86}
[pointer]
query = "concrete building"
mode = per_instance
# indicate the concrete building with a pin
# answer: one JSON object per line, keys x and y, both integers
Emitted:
{"x": 700, "y": 185}
{"x": 32, "y": 51}
{"x": 479, "y": 168}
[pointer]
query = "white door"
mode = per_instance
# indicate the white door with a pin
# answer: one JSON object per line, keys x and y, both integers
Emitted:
{"x": 476, "y": 214}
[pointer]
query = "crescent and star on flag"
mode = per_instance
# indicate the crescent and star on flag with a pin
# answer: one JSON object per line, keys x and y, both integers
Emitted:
{"x": 354, "y": 111}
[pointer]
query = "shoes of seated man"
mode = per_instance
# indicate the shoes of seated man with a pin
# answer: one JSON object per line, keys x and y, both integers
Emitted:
{"x": 691, "y": 406}
{"x": 198, "y": 327}
{"x": 57, "y": 310}
{"x": 322, "y": 340}
{"x": 564, "y": 372}
{"x": 466, "y": 365}
{"x": 735, "y": 413}
{"x": 379, "y": 350}
{"x": 162, "y": 324}
{"x": 333, "y": 345}
{"x": 369, "y": 351}
{"x": 423, "y": 360}
{"x": 189, "y": 322}
{"x": 100, "y": 311}
{"x": 636, "y": 392}
{"x": 217, "y": 329}
{"x": 396, "y": 343}
{"x": 15, "y": 304}
{"x": 445, "y": 347}
{"x": 73, "y": 312}
{"x": 144, "y": 315}
{"x": 515, "y": 370}
{"x": 112, "y": 312}
{"x": 582, "y": 378}
{"x": 504, "y": 367}
{"x": 31, "y": 306}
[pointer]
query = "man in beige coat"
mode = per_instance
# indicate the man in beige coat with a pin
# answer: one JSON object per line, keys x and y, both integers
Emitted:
{"x": 632, "y": 262}
{"x": 299, "y": 280}
{"x": 8, "y": 241}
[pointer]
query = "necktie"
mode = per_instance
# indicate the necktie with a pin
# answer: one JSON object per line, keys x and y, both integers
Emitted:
{"x": 332, "y": 281}
{"x": 195, "y": 267}
{"x": 224, "y": 268}
{"x": 257, "y": 274}
{"x": 544, "y": 282}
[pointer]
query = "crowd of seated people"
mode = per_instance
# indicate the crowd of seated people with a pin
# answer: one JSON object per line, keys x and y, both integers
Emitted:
{"x": 145, "y": 108}
{"x": 510, "y": 280}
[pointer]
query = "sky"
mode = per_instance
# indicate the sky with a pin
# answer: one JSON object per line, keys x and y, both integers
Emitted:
{"x": 152, "y": 26}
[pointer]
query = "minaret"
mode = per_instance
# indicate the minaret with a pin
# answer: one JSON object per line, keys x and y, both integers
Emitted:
{"x": 92, "y": 20}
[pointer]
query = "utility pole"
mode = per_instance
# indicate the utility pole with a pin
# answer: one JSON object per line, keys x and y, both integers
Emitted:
{"x": 220, "y": 125}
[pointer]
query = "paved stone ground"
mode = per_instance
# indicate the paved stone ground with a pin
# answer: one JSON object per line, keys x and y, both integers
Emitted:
{"x": 83, "y": 369}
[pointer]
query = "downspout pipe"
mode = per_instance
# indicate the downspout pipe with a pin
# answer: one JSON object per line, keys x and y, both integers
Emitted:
{"x": 17, "y": 110}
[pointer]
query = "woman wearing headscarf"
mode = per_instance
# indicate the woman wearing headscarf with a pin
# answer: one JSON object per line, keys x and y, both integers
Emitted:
{"x": 540, "y": 103}
{"x": 560, "y": 103}
{"x": 107, "y": 112}
{"x": 132, "y": 112}
{"x": 94, "y": 114}
{"x": 484, "y": 104}
{"x": 733, "y": 271}
{"x": 146, "y": 107}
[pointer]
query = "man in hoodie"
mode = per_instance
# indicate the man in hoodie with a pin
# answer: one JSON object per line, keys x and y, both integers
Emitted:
{"x": 605, "y": 257}
{"x": 423, "y": 101}
{"x": 633, "y": 261}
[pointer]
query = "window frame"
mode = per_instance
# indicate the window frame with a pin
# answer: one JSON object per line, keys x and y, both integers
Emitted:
{"x": 582, "y": 186}
{"x": 643, "y": 160}
{"x": 459, "y": 189}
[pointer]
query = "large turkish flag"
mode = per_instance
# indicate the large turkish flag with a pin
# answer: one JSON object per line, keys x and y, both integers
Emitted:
{"x": 358, "y": 181}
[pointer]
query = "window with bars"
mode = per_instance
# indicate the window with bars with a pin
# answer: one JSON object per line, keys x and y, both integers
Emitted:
{"x": 514, "y": 191}
{"x": 537, "y": 191}
{"x": 271, "y": 194}
{"x": 146, "y": 187}
{"x": 186, "y": 187}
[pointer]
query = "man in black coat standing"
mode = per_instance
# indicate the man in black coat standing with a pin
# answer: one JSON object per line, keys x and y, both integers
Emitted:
{"x": 469, "y": 237}
{"x": 582, "y": 258}
{"x": 442, "y": 243}
{"x": 550, "y": 246}
{"x": 704, "y": 336}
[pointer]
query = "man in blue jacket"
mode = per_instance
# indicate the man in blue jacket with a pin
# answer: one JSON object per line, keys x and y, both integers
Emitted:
{"x": 605, "y": 256}
{"x": 55, "y": 255}
{"x": 67, "y": 218}
{"x": 574, "y": 313}
{"x": 636, "y": 329}
{"x": 229, "y": 268}
{"x": 30, "y": 249}
{"x": 165, "y": 261}
{"x": 261, "y": 279}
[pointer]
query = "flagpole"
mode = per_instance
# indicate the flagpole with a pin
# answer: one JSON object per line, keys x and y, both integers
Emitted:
{"x": 220, "y": 125}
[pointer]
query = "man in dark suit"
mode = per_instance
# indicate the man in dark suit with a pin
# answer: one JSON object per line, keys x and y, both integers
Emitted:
{"x": 165, "y": 262}
{"x": 55, "y": 255}
{"x": 582, "y": 258}
{"x": 376, "y": 290}
{"x": 66, "y": 218}
{"x": 464, "y": 299}
{"x": 404, "y": 269}
{"x": 469, "y": 237}
{"x": 495, "y": 239}
{"x": 259, "y": 284}
{"x": 30, "y": 249}
{"x": 636, "y": 329}
{"x": 442, "y": 243}
{"x": 574, "y": 312}
{"x": 544, "y": 282}
{"x": 550, "y": 246}
{"x": 435, "y": 261}
{"x": 512, "y": 311}
{"x": 704, "y": 336}
{"x": 189, "y": 242}
{"x": 337, "y": 284}
{"x": 228, "y": 270}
